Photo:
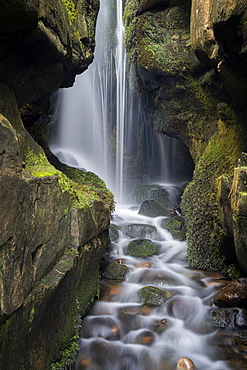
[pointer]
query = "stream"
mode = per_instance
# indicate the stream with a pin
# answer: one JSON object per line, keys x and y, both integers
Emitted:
{"x": 123, "y": 330}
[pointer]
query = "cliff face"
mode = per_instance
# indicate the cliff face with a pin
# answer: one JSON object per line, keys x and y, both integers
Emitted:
{"x": 190, "y": 59}
{"x": 53, "y": 224}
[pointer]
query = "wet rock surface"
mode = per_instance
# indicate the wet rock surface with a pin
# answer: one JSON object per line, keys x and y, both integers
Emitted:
{"x": 152, "y": 208}
{"x": 115, "y": 271}
{"x": 233, "y": 294}
{"x": 158, "y": 307}
{"x": 142, "y": 248}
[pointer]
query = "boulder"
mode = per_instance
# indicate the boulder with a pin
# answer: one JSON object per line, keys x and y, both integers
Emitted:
{"x": 176, "y": 226}
{"x": 140, "y": 231}
{"x": 154, "y": 296}
{"x": 239, "y": 213}
{"x": 142, "y": 248}
{"x": 154, "y": 192}
{"x": 115, "y": 271}
{"x": 151, "y": 208}
{"x": 233, "y": 294}
{"x": 230, "y": 317}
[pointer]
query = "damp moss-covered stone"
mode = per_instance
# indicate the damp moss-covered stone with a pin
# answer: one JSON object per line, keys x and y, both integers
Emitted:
{"x": 154, "y": 296}
{"x": 152, "y": 208}
{"x": 142, "y": 248}
{"x": 115, "y": 271}
{"x": 154, "y": 192}
{"x": 176, "y": 226}
{"x": 209, "y": 245}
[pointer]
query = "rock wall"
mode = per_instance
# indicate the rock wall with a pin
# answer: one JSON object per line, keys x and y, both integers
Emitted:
{"x": 53, "y": 220}
{"x": 190, "y": 60}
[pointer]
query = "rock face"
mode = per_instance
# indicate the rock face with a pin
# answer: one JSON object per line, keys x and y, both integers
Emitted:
{"x": 53, "y": 225}
{"x": 190, "y": 60}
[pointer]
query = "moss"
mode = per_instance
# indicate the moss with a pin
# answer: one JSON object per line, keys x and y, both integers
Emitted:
{"x": 84, "y": 187}
{"x": 154, "y": 296}
{"x": 71, "y": 10}
{"x": 142, "y": 248}
{"x": 209, "y": 246}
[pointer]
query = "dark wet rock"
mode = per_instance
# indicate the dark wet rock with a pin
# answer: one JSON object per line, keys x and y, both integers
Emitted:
{"x": 154, "y": 296}
{"x": 154, "y": 192}
{"x": 145, "y": 337}
{"x": 130, "y": 318}
{"x": 160, "y": 325}
{"x": 176, "y": 226}
{"x": 233, "y": 294}
{"x": 115, "y": 271}
{"x": 100, "y": 326}
{"x": 113, "y": 233}
{"x": 229, "y": 317}
{"x": 140, "y": 231}
{"x": 152, "y": 208}
{"x": 110, "y": 292}
{"x": 142, "y": 248}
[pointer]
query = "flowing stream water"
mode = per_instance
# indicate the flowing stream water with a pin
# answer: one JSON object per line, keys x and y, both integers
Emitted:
{"x": 99, "y": 129}
{"x": 124, "y": 331}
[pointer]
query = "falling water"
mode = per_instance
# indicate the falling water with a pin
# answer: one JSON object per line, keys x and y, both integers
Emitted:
{"x": 102, "y": 126}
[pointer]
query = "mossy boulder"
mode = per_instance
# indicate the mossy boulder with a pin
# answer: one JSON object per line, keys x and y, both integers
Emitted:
{"x": 154, "y": 296}
{"x": 142, "y": 248}
{"x": 209, "y": 244}
{"x": 151, "y": 208}
{"x": 115, "y": 271}
{"x": 239, "y": 211}
{"x": 176, "y": 226}
{"x": 154, "y": 192}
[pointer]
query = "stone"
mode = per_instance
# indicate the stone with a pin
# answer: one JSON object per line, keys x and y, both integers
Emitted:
{"x": 154, "y": 192}
{"x": 115, "y": 271}
{"x": 113, "y": 233}
{"x": 154, "y": 296}
{"x": 152, "y": 208}
{"x": 239, "y": 214}
{"x": 232, "y": 317}
{"x": 140, "y": 231}
{"x": 185, "y": 364}
{"x": 234, "y": 294}
{"x": 142, "y": 248}
{"x": 176, "y": 226}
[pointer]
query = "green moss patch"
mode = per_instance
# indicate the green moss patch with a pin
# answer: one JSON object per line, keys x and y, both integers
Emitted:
{"x": 142, "y": 248}
{"x": 84, "y": 187}
{"x": 154, "y": 296}
{"x": 209, "y": 246}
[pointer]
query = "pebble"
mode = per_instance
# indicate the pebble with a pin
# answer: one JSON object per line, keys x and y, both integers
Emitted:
{"x": 185, "y": 364}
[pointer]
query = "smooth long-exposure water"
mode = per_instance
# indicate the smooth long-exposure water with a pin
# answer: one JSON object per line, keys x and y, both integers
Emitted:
{"x": 124, "y": 331}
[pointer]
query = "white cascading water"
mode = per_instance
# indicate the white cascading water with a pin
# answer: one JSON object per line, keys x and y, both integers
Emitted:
{"x": 121, "y": 332}
{"x": 102, "y": 127}
{"x": 99, "y": 130}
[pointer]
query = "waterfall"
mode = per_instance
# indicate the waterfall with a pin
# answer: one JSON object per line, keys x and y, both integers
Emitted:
{"x": 102, "y": 126}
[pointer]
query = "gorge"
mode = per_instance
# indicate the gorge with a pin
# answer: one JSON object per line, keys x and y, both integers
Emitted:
{"x": 189, "y": 63}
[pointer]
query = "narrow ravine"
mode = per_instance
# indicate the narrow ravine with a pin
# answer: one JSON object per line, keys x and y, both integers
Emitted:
{"x": 156, "y": 315}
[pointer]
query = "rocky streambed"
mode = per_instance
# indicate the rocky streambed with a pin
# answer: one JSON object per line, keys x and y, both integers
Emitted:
{"x": 154, "y": 312}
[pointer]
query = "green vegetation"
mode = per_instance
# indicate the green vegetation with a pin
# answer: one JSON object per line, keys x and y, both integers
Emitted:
{"x": 71, "y": 10}
{"x": 209, "y": 245}
{"x": 142, "y": 248}
{"x": 84, "y": 187}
